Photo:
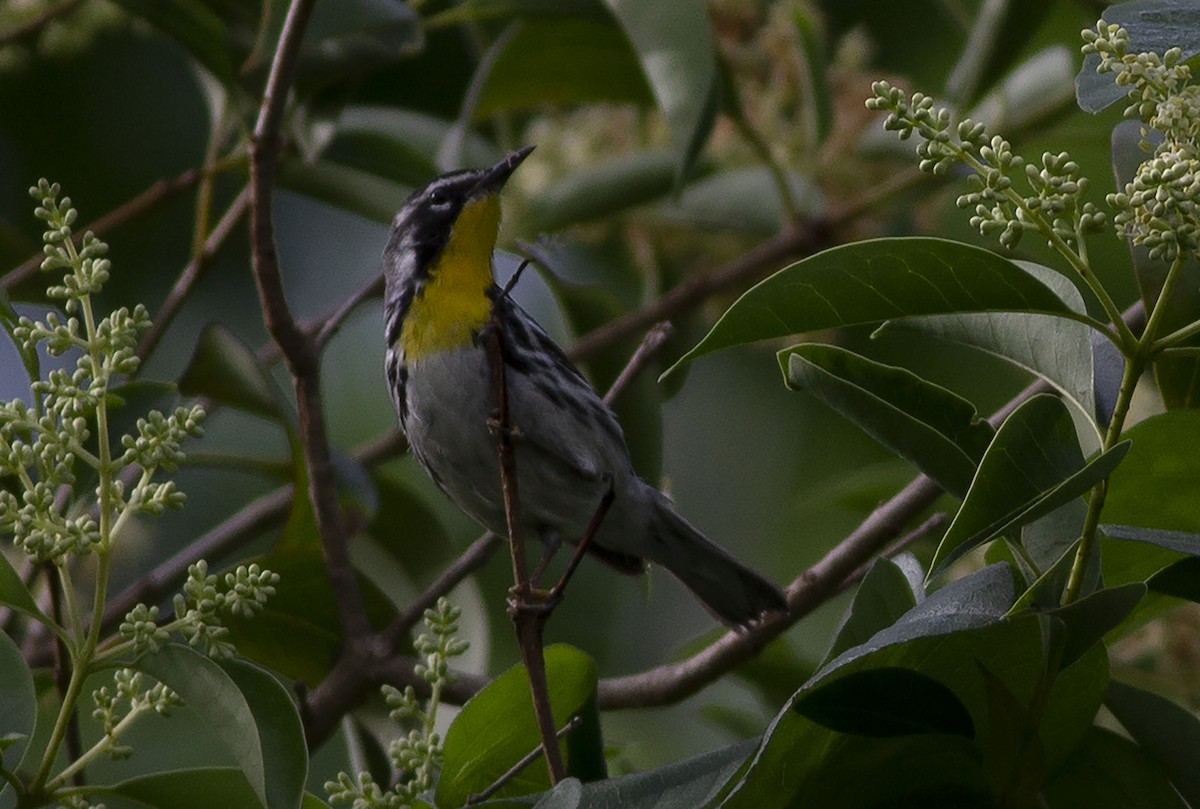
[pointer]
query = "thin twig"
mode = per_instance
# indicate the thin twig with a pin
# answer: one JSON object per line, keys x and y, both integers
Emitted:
{"x": 557, "y": 591}
{"x": 157, "y": 194}
{"x": 526, "y": 760}
{"x": 193, "y": 272}
{"x": 299, "y": 351}
{"x": 923, "y": 530}
{"x": 472, "y": 559}
{"x": 333, "y": 321}
{"x": 651, "y": 344}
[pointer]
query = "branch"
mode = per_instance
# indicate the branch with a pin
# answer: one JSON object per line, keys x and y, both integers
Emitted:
{"x": 157, "y": 194}
{"x": 799, "y": 239}
{"x": 299, "y": 351}
{"x": 193, "y": 272}
{"x": 672, "y": 682}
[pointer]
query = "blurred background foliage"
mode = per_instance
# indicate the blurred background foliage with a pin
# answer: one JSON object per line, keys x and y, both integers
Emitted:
{"x": 671, "y": 138}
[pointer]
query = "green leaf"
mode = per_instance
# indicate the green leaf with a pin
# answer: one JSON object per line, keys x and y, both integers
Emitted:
{"x": 14, "y": 593}
{"x": 1153, "y": 25}
{"x": 999, "y": 33}
{"x": 352, "y": 38}
{"x": 408, "y": 529}
{"x": 18, "y": 704}
{"x": 359, "y": 192}
{"x": 1070, "y": 712}
{"x": 972, "y": 602}
{"x": 674, "y": 44}
{"x": 1047, "y": 538}
{"x": 1178, "y": 541}
{"x": 1169, "y": 733}
{"x": 1016, "y": 760}
{"x": 193, "y": 25}
{"x": 1156, "y": 485}
{"x": 1108, "y": 771}
{"x": 1033, "y": 466}
{"x": 200, "y": 788}
{"x": 602, "y": 189}
{"x": 222, "y": 706}
{"x": 817, "y": 767}
{"x": 801, "y": 763}
{"x": 884, "y": 595}
{"x": 938, "y": 431}
{"x": 892, "y": 30}
{"x": 1090, "y": 618}
{"x": 496, "y": 728}
{"x": 1057, "y": 350}
{"x": 886, "y": 701}
{"x": 560, "y": 61}
{"x": 413, "y": 138}
{"x": 1180, "y": 579}
{"x": 8, "y": 320}
{"x": 224, "y": 369}
{"x": 816, "y": 94}
{"x": 742, "y": 199}
{"x": 873, "y": 281}
{"x": 285, "y": 752}
{"x": 680, "y": 785}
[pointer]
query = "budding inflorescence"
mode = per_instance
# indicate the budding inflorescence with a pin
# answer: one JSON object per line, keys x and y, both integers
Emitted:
{"x": 201, "y": 610}
{"x": 1158, "y": 209}
{"x": 417, "y": 755}
{"x": 1053, "y": 205}
{"x": 43, "y": 442}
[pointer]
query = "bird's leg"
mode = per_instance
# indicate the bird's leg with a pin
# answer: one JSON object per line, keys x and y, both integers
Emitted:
{"x": 556, "y": 592}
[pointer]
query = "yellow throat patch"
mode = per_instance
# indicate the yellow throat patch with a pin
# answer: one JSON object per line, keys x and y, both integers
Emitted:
{"x": 454, "y": 304}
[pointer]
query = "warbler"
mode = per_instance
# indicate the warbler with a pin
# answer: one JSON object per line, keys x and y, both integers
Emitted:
{"x": 569, "y": 451}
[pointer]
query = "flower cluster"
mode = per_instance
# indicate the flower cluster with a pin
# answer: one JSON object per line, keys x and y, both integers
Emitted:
{"x": 201, "y": 610}
{"x": 43, "y": 442}
{"x": 117, "y": 708}
{"x": 417, "y": 756}
{"x": 1053, "y": 205}
{"x": 1158, "y": 209}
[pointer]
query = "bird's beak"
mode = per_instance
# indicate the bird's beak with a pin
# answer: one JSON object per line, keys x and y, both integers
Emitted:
{"x": 498, "y": 175}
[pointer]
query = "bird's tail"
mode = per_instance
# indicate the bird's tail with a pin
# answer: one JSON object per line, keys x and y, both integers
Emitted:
{"x": 733, "y": 592}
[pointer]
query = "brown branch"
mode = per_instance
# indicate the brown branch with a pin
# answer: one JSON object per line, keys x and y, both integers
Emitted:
{"x": 672, "y": 682}
{"x": 192, "y": 273}
{"x": 158, "y": 194}
{"x": 799, "y": 239}
{"x": 299, "y": 351}
{"x": 651, "y": 344}
{"x": 473, "y": 558}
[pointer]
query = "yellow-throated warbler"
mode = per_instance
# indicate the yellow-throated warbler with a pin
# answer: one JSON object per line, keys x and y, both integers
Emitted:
{"x": 569, "y": 449}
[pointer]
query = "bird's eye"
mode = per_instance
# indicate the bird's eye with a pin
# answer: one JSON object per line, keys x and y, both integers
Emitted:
{"x": 439, "y": 199}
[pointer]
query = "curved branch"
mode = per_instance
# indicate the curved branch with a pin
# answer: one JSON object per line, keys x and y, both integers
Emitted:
{"x": 299, "y": 350}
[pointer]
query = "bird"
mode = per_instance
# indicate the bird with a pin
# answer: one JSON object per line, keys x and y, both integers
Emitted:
{"x": 570, "y": 452}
